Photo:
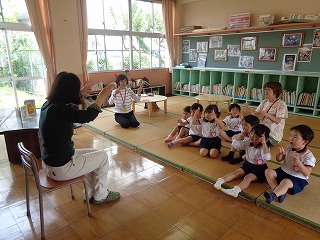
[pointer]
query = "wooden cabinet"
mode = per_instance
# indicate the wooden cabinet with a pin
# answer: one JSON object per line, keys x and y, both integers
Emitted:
{"x": 301, "y": 90}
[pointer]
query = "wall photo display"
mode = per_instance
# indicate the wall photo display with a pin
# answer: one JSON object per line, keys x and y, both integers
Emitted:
{"x": 249, "y": 43}
{"x": 202, "y": 47}
{"x": 292, "y": 39}
{"x": 215, "y": 42}
{"x": 268, "y": 54}
{"x": 220, "y": 55}
{"x": 246, "y": 61}
{"x": 289, "y": 62}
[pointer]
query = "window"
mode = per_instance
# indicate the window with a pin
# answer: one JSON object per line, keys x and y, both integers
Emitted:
{"x": 21, "y": 65}
{"x": 125, "y": 34}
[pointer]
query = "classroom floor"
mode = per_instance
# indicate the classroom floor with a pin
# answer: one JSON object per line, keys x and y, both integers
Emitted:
{"x": 157, "y": 202}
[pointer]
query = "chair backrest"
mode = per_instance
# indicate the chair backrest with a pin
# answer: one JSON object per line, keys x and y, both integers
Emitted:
{"x": 30, "y": 163}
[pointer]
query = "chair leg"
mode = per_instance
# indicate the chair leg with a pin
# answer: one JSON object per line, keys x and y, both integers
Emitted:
{"x": 72, "y": 195}
{"x": 27, "y": 195}
{"x": 87, "y": 199}
{"x": 41, "y": 216}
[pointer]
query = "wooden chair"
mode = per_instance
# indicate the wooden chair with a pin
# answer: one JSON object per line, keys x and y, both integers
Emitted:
{"x": 44, "y": 184}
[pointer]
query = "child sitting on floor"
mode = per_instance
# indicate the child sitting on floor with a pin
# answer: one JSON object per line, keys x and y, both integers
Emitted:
{"x": 233, "y": 121}
{"x": 247, "y": 123}
{"x": 210, "y": 143}
{"x": 195, "y": 131}
{"x": 182, "y": 126}
{"x": 257, "y": 154}
{"x": 298, "y": 162}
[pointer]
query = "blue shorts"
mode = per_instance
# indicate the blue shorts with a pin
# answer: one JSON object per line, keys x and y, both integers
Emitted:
{"x": 231, "y": 133}
{"x": 210, "y": 143}
{"x": 195, "y": 138}
{"x": 257, "y": 170}
{"x": 298, "y": 183}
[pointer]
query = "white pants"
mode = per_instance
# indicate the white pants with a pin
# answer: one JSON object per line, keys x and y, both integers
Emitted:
{"x": 89, "y": 162}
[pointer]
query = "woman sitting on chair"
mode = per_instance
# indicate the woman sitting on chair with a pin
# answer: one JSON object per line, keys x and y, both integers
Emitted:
{"x": 60, "y": 160}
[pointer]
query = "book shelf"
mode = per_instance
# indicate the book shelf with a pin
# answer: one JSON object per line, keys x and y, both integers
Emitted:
{"x": 301, "y": 90}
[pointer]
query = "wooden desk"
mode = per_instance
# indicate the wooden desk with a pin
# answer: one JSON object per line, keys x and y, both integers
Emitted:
{"x": 16, "y": 130}
{"x": 151, "y": 99}
{"x": 212, "y": 98}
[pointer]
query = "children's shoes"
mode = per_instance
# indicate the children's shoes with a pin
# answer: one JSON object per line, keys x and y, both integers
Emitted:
{"x": 270, "y": 197}
{"x": 170, "y": 144}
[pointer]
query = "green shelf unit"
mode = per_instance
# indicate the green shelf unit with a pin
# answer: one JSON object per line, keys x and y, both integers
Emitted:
{"x": 293, "y": 82}
{"x": 204, "y": 80}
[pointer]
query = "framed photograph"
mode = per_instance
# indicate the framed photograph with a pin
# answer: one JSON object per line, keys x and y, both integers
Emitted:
{"x": 268, "y": 54}
{"x": 202, "y": 58}
{"x": 220, "y": 55}
{"x": 249, "y": 43}
{"x": 289, "y": 62}
{"x": 246, "y": 61}
{"x": 305, "y": 53}
{"x": 234, "y": 51}
{"x": 202, "y": 47}
{"x": 292, "y": 39}
{"x": 186, "y": 46}
{"x": 192, "y": 55}
{"x": 215, "y": 42}
{"x": 316, "y": 38}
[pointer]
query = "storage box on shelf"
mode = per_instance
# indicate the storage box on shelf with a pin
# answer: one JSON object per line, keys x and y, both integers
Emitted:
{"x": 301, "y": 90}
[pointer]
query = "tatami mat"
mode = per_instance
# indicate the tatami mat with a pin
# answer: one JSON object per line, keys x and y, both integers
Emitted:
{"x": 149, "y": 139}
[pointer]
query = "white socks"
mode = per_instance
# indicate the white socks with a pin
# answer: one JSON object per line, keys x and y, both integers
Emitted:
{"x": 218, "y": 183}
{"x": 234, "y": 192}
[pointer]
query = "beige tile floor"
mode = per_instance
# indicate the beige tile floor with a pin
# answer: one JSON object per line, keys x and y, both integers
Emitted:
{"x": 157, "y": 202}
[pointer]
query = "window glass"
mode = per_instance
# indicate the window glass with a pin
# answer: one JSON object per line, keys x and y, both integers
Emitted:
{"x": 114, "y": 37}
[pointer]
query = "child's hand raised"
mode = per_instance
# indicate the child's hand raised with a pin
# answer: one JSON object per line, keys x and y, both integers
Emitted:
{"x": 263, "y": 139}
{"x": 281, "y": 151}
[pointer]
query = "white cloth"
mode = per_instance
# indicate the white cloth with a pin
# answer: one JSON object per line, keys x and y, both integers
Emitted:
{"x": 194, "y": 129}
{"x": 289, "y": 167}
{"x": 123, "y": 100}
{"x": 89, "y": 162}
{"x": 278, "y": 109}
{"x": 233, "y": 123}
{"x": 209, "y": 129}
{"x": 253, "y": 155}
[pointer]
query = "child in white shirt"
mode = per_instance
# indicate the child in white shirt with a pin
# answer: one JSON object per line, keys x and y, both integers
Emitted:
{"x": 297, "y": 165}
{"x": 183, "y": 126}
{"x": 210, "y": 142}
{"x": 257, "y": 154}
{"x": 233, "y": 121}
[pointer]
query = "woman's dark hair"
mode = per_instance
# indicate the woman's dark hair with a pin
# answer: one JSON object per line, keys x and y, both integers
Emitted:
{"x": 275, "y": 86}
{"x": 121, "y": 77}
{"x": 306, "y": 132}
{"x": 65, "y": 89}
{"x": 210, "y": 108}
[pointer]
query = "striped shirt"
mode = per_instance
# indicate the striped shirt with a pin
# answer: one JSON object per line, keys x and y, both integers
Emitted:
{"x": 123, "y": 100}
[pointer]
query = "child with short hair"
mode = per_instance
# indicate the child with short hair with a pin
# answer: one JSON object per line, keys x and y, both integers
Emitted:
{"x": 257, "y": 154}
{"x": 211, "y": 124}
{"x": 233, "y": 121}
{"x": 195, "y": 131}
{"x": 183, "y": 125}
{"x": 247, "y": 123}
{"x": 297, "y": 165}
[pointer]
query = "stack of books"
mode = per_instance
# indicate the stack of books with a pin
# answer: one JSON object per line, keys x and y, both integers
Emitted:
{"x": 217, "y": 89}
{"x": 241, "y": 92}
{"x": 288, "y": 97}
{"x": 195, "y": 88}
{"x": 176, "y": 86}
{"x": 186, "y": 87}
{"x": 205, "y": 89}
{"x": 256, "y": 94}
{"x": 306, "y": 99}
{"x": 228, "y": 90}
{"x": 188, "y": 29}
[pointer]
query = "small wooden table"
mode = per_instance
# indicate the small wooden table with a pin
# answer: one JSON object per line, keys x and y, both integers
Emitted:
{"x": 151, "y": 99}
{"x": 212, "y": 98}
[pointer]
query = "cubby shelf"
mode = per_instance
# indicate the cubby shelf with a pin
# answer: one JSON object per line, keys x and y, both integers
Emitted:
{"x": 297, "y": 82}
